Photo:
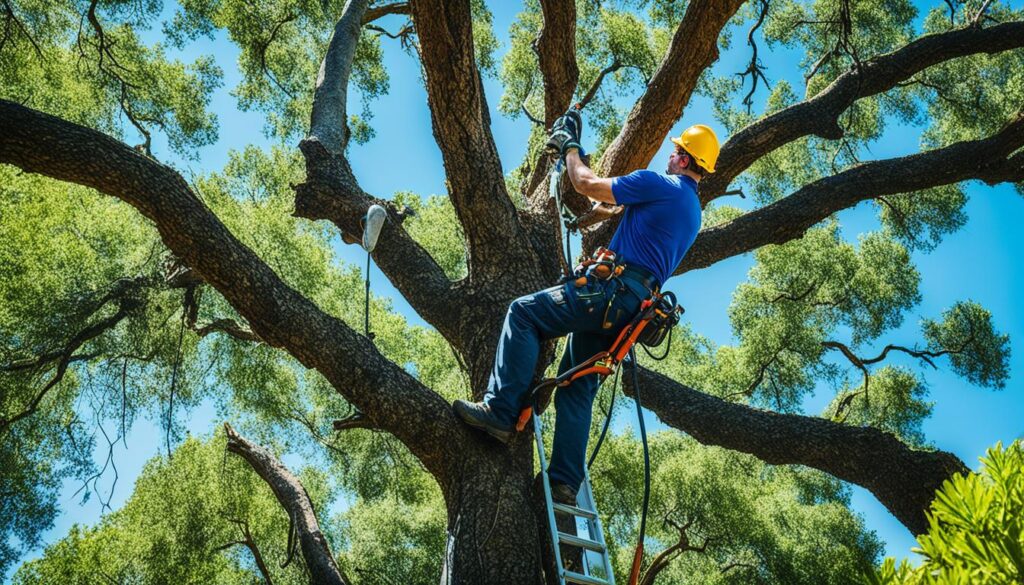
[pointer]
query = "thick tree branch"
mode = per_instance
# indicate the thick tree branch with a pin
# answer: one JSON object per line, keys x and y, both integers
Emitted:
{"x": 692, "y": 50}
{"x": 990, "y": 160}
{"x": 819, "y": 115}
{"x": 332, "y": 193}
{"x": 461, "y": 125}
{"x": 903, "y": 479}
{"x": 279, "y": 315}
{"x": 329, "y": 124}
{"x": 556, "y": 54}
{"x": 293, "y": 498}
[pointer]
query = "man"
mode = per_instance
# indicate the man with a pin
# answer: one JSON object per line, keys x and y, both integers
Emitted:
{"x": 660, "y": 222}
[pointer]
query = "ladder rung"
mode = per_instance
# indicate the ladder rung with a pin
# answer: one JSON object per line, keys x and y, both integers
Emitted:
{"x": 580, "y": 542}
{"x": 573, "y": 510}
{"x": 573, "y": 577}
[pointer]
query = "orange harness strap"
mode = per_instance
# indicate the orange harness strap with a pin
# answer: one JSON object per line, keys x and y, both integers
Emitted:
{"x": 602, "y": 364}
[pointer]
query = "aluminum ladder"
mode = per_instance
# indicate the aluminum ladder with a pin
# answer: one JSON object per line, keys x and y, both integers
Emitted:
{"x": 595, "y": 571}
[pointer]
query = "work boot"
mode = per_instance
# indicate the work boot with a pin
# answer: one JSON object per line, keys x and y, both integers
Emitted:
{"x": 563, "y": 494}
{"x": 478, "y": 415}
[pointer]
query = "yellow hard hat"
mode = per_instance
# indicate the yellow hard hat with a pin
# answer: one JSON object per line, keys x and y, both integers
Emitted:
{"x": 701, "y": 142}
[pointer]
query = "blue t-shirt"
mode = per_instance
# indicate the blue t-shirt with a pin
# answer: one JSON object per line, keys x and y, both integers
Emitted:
{"x": 660, "y": 221}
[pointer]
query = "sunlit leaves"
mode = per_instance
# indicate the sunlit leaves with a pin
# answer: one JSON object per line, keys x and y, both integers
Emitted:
{"x": 437, "y": 229}
{"x": 976, "y": 528}
{"x": 95, "y": 69}
{"x": 180, "y": 525}
{"x": 893, "y": 400}
{"x": 976, "y": 350}
{"x": 748, "y": 522}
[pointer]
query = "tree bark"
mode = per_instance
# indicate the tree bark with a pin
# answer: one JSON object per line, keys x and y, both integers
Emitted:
{"x": 990, "y": 160}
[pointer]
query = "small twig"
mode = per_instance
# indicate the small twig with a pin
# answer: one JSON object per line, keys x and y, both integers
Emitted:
{"x": 587, "y": 97}
{"x": 755, "y": 70}
{"x": 531, "y": 117}
{"x": 976, "y": 21}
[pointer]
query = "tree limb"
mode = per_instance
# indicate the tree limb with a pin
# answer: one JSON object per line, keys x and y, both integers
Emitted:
{"x": 323, "y": 570}
{"x": 693, "y": 49}
{"x": 374, "y": 12}
{"x": 279, "y": 315}
{"x": 461, "y": 124}
{"x": 819, "y": 115}
{"x": 328, "y": 121}
{"x": 903, "y": 479}
{"x": 556, "y": 55}
{"x": 990, "y": 160}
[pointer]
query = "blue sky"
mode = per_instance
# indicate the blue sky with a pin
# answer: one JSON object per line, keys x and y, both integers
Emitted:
{"x": 980, "y": 262}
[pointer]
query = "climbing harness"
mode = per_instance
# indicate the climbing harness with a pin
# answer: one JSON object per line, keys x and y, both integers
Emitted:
{"x": 657, "y": 315}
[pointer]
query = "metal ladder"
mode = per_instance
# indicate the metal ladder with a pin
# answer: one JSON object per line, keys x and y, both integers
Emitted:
{"x": 595, "y": 572}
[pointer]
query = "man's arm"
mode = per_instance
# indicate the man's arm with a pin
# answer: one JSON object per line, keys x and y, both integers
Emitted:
{"x": 585, "y": 181}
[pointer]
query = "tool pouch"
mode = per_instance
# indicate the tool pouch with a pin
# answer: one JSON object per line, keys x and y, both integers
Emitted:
{"x": 664, "y": 316}
{"x": 602, "y": 265}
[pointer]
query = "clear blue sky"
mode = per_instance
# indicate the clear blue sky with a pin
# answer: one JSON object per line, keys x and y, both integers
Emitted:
{"x": 980, "y": 262}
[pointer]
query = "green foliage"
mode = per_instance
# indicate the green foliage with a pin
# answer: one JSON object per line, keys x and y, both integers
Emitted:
{"x": 437, "y": 229}
{"x": 972, "y": 97}
{"x": 891, "y": 399}
{"x": 800, "y": 293}
{"x": 976, "y": 350}
{"x": 746, "y": 522}
{"x": 976, "y": 528}
{"x": 919, "y": 220}
{"x": 98, "y": 72}
{"x": 186, "y": 522}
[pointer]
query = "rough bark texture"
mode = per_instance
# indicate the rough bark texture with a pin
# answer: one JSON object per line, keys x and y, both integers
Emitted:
{"x": 693, "y": 49}
{"x": 819, "y": 115}
{"x": 323, "y": 570}
{"x": 461, "y": 124}
{"x": 556, "y": 53}
{"x": 902, "y": 478}
{"x": 37, "y": 142}
{"x": 493, "y": 536}
{"x": 328, "y": 123}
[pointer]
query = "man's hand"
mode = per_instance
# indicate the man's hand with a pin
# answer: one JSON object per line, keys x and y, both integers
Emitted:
{"x": 565, "y": 133}
{"x": 597, "y": 214}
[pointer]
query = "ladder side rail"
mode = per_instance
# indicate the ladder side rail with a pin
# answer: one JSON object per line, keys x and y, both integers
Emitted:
{"x": 596, "y": 525}
{"x": 553, "y": 528}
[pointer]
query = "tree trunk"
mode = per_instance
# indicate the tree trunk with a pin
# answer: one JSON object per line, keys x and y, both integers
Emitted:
{"x": 493, "y": 533}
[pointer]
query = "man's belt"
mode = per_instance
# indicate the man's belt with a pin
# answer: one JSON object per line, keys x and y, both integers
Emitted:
{"x": 641, "y": 275}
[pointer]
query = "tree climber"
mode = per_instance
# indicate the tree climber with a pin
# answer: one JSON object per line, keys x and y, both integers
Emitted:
{"x": 661, "y": 219}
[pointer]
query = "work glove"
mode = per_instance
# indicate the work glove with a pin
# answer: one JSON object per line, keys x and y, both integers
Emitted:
{"x": 565, "y": 133}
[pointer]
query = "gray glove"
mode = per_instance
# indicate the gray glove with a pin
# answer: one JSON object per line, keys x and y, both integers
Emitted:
{"x": 565, "y": 133}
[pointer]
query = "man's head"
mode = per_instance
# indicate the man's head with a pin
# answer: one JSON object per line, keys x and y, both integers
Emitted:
{"x": 696, "y": 152}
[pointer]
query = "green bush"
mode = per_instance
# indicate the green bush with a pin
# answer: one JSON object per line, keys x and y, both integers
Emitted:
{"x": 976, "y": 532}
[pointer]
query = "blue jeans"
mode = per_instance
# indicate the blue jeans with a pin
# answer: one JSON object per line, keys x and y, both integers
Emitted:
{"x": 592, "y": 316}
